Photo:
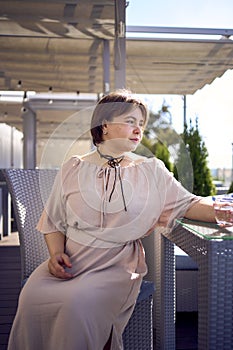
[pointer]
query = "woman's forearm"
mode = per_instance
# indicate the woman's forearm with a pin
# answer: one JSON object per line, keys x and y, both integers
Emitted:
{"x": 55, "y": 242}
{"x": 202, "y": 210}
{"x": 59, "y": 261}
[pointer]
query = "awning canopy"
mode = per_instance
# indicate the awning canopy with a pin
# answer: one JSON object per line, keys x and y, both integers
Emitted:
{"x": 152, "y": 67}
{"x": 60, "y": 45}
{"x": 69, "y": 46}
{"x": 54, "y": 44}
{"x": 176, "y": 66}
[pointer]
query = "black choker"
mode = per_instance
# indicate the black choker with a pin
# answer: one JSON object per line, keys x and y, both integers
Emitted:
{"x": 113, "y": 162}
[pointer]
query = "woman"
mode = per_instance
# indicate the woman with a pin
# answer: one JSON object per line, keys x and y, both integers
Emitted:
{"x": 100, "y": 207}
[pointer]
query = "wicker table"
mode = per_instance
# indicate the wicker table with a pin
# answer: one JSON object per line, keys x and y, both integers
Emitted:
{"x": 212, "y": 249}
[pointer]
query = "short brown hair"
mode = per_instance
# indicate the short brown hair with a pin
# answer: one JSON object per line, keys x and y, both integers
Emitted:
{"x": 106, "y": 109}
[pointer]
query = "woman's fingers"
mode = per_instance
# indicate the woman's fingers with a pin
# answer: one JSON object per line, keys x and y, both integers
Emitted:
{"x": 57, "y": 265}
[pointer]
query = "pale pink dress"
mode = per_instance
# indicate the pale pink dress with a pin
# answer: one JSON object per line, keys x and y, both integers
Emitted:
{"x": 103, "y": 241}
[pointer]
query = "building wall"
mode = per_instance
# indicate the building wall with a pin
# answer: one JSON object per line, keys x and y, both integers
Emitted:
{"x": 54, "y": 152}
{"x": 11, "y": 147}
{"x": 224, "y": 175}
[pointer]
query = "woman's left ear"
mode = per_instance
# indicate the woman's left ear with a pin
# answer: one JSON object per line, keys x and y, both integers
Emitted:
{"x": 104, "y": 127}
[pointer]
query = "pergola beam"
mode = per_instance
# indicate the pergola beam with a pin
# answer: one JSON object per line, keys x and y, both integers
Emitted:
{"x": 179, "y": 30}
{"x": 120, "y": 45}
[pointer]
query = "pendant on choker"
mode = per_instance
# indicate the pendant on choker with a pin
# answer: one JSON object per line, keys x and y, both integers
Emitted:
{"x": 113, "y": 162}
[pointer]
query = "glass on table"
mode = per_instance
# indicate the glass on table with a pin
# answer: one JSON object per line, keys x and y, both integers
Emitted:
{"x": 223, "y": 208}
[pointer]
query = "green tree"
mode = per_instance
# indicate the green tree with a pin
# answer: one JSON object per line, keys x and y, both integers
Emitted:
{"x": 159, "y": 126}
{"x": 202, "y": 179}
{"x": 157, "y": 136}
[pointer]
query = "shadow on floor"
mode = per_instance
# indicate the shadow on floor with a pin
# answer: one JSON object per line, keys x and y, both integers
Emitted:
{"x": 186, "y": 330}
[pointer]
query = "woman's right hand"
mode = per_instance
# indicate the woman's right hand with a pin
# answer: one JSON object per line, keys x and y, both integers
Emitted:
{"x": 57, "y": 264}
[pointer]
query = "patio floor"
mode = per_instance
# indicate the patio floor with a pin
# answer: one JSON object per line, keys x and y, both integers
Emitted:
{"x": 186, "y": 322}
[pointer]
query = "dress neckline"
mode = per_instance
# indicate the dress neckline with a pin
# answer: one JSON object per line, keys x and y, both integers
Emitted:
{"x": 101, "y": 167}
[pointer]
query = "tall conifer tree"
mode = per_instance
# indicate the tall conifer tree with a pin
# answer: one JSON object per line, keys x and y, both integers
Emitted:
{"x": 202, "y": 179}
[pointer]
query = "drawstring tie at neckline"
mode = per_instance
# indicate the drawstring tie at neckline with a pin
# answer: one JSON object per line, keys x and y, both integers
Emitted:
{"x": 114, "y": 162}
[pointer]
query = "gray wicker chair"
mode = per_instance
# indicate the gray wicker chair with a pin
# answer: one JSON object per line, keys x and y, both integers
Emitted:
{"x": 29, "y": 190}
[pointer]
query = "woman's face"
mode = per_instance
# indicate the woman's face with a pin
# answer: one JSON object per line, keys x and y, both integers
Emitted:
{"x": 125, "y": 132}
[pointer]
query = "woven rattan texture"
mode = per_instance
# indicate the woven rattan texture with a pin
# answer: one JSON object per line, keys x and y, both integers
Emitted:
{"x": 28, "y": 189}
{"x": 215, "y": 286}
{"x": 138, "y": 334}
{"x": 165, "y": 292}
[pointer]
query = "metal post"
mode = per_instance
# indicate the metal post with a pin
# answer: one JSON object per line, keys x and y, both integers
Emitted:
{"x": 29, "y": 139}
{"x": 232, "y": 164}
{"x": 106, "y": 66}
{"x": 120, "y": 44}
{"x": 12, "y": 147}
{"x": 185, "y": 119}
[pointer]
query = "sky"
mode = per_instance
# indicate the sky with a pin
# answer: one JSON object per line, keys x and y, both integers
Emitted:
{"x": 213, "y": 104}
